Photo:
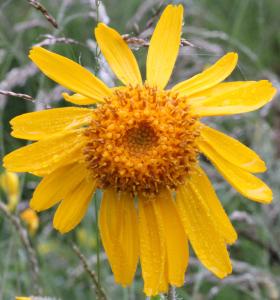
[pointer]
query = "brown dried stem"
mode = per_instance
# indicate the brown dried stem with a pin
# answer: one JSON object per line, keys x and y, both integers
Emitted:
{"x": 19, "y": 95}
{"x": 140, "y": 42}
{"x": 100, "y": 294}
{"x": 36, "y": 4}
{"x": 52, "y": 40}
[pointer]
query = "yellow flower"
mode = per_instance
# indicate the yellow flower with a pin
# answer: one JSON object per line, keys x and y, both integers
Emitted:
{"x": 23, "y": 298}
{"x": 30, "y": 217}
{"x": 141, "y": 146}
{"x": 10, "y": 184}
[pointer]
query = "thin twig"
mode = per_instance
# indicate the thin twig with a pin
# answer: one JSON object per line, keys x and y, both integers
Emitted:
{"x": 79, "y": 270}
{"x": 185, "y": 42}
{"x": 52, "y": 40}
{"x": 36, "y": 4}
{"x": 100, "y": 294}
{"x": 152, "y": 19}
{"x": 19, "y": 95}
{"x": 30, "y": 252}
{"x": 140, "y": 42}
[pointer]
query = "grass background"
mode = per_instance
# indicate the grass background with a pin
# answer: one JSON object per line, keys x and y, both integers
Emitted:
{"x": 250, "y": 27}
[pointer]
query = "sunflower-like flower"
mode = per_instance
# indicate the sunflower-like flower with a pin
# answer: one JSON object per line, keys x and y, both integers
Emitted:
{"x": 140, "y": 145}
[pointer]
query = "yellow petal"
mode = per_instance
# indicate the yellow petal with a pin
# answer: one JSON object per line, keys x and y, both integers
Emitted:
{"x": 208, "y": 78}
{"x": 164, "y": 46}
{"x": 56, "y": 185}
{"x": 75, "y": 155}
{"x": 78, "y": 99}
{"x": 244, "y": 182}
{"x": 233, "y": 151}
{"x": 46, "y": 155}
{"x": 152, "y": 247}
{"x": 41, "y": 124}
{"x": 224, "y": 87}
{"x": 203, "y": 234}
{"x": 175, "y": 239}
{"x": 73, "y": 207}
{"x": 204, "y": 188}
{"x": 244, "y": 98}
{"x": 118, "y": 55}
{"x": 69, "y": 74}
{"x": 164, "y": 282}
{"x": 119, "y": 232}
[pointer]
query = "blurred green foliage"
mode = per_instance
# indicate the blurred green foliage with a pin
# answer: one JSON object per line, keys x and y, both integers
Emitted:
{"x": 250, "y": 27}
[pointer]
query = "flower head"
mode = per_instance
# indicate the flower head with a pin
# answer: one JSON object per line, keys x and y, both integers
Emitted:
{"x": 141, "y": 145}
{"x": 148, "y": 140}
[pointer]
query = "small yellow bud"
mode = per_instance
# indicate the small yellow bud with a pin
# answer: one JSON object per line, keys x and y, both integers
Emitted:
{"x": 30, "y": 218}
{"x": 9, "y": 182}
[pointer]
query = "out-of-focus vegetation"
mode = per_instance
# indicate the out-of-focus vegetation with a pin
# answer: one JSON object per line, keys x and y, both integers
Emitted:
{"x": 250, "y": 27}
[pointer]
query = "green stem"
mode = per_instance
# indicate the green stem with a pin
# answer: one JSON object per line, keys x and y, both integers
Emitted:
{"x": 97, "y": 240}
{"x": 97, "y": 50}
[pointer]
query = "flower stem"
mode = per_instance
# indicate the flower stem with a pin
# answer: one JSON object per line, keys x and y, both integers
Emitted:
{"x": 171, "y": 295}
{"x": 97, "y": 240}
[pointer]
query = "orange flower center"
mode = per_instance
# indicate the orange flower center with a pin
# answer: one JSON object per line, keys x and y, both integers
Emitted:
{"x": 140, "y": 140}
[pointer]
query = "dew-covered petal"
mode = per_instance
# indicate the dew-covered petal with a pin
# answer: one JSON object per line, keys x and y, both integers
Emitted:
{"x": 244, "y": 182}
{"x": 200, "y": 226}
{"x": 119, "y": 232}
{"x": 152, "y": 247}
{"x": 208, "y": 78}
{"x": 41, "y": 124}
{"x": 164, "y": 46}
{"x": 232, "y": 150}
{"x": 73, "y": 207}
{"x": 175, "y": 239}
{"x": 164, "y": 281}
{"x": 69, "y": 74}
{"x": 55, "y": 186}
{"x": 118, "y": 55}
{"x": 44, "y": 156}
{"x": 244, "y": 98}
{"x": 207, "y": 194}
